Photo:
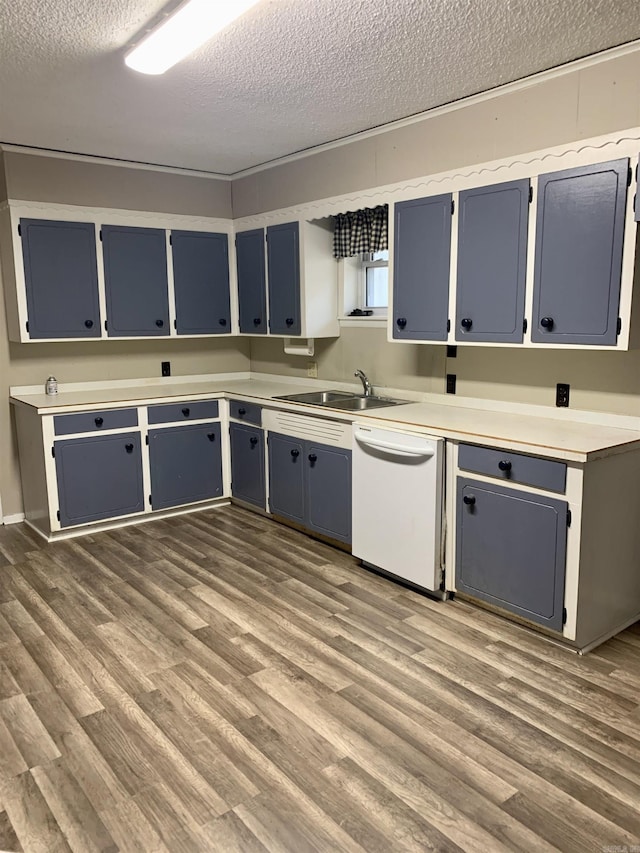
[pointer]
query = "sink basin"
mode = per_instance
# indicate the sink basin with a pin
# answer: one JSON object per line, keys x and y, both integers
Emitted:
{"x": 317, "y": 398}
{"x": 359, "y": 404}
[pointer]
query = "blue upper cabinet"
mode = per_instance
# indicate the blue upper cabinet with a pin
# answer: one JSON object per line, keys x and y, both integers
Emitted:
{"x": 135, "y": 271}
{"x": 283, "y": 254}
{"x": 252, "y": 298}
{"x": 421, "y": 264}
{"x": 61, "y": 278}
{"x": 578, "y": 259}
{"x": 201, "y": 282}
{"x": 492, "y": 262}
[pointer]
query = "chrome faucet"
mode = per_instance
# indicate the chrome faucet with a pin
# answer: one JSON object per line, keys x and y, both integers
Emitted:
{"x": 368, "y": 387}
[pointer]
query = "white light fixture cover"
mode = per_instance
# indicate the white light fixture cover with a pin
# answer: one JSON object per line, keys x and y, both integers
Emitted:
{"x": 189, "y": 27}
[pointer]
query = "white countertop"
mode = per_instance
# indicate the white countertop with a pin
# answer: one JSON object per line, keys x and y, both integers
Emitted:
{"x": 562, "y": 439}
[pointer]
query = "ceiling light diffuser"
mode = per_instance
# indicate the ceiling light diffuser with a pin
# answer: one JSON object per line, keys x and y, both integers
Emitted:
{"x": 189, "y": 27}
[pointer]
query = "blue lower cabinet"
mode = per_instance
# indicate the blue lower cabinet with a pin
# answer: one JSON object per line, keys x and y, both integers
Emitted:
{"x": 186, "y": 464}
{"x": 286, "y": 477}
{"x": 247, "y": 464}
{"x": 311, "y": 483}
{"x": 511, "y": 549}
{"x": 99, "y": 477}
{"x": 328, "y": 491}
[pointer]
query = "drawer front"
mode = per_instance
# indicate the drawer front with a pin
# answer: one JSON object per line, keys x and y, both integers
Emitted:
{"x": 95, "y": 421}
{"x": 249, "y": 412}
{"x": 190, "y": 411}
{"x": 514, "y": 467}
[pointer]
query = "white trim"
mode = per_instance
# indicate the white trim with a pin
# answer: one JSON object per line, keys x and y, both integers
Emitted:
{"x": 488, "y": 95}
{"x": 16, "y": 518}
{"x": 372, "y": 322}
{"x": 108, "y": 161}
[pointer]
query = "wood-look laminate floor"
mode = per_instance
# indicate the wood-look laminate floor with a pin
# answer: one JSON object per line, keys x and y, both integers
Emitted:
{"x": 218, "y": 682}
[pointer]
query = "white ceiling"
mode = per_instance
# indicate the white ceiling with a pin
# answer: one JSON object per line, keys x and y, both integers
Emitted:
{"x": 291, "y": 74}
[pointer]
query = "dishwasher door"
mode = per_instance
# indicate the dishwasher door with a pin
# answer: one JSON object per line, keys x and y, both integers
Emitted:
{"x": 397, "y": 503}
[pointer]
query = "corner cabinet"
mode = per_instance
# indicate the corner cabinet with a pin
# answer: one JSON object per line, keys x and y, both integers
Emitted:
{"x": 83, "y": 273}
{"x": 287, "y": 280}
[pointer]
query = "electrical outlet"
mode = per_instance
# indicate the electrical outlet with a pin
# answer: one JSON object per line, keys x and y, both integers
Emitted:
{"x": 312, "y": 369}
{"x": 562, "y": 394}
{"x": 166, "y": 368}
{"x": 451, "y": 383}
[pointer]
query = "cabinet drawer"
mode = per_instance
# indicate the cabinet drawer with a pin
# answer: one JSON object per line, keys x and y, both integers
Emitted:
{"x": 193, "y": 411}
{"x": 95, "y": 421}
{"x": 514, "y": 467}
{"x": 241, "y": 411}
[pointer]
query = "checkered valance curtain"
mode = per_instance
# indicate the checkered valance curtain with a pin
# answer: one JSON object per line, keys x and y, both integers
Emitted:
{"x": 361, "y": 231}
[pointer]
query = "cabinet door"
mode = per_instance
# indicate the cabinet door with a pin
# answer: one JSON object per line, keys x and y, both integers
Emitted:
{"x": 283, "y": 254}
{"x": 99, "y": 477}
{"x": 186, "y": 464}
{"x": 578, "y": 260}
{"x": 201, "y": 282}
{"x": 247, "y": 464}
{"x": 135, "y": 270}
{"x": 252, "y": 297}
{"x": 421, "y": 263}
{"x": 510, "y": 550}
{"x": 492, "y": 262}
{"x": 61, "y": 278}
{"x": 328, "y": 490}
{"x": 286, "y": 477}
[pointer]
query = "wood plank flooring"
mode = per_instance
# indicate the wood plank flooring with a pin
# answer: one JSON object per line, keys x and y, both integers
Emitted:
{"x": 219, "y": 682}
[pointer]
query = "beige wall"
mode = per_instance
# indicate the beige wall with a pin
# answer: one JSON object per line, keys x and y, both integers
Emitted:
{"x": 571, "y": 106}
{"x": 52, "y": 179}
{"x": 410, "y": 366}
{"x": 69, "y": 182}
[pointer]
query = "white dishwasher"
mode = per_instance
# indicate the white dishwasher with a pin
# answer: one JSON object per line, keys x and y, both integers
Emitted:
{"x": 397, "y": 503}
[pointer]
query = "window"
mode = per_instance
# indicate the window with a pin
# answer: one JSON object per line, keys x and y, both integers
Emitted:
{"x": 375, "y": 281}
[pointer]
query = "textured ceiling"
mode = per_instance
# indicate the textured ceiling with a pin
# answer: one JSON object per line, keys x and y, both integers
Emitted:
{"x": 289, "y": 75}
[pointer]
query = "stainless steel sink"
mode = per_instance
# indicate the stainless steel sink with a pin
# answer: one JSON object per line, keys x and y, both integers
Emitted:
{"x": 359, "y": 404}
{"x": 317, "y": 398}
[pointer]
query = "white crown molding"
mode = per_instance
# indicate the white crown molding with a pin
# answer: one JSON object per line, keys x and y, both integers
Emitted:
{"x": 488, "y": 95}
{"x": 106, "y": 161}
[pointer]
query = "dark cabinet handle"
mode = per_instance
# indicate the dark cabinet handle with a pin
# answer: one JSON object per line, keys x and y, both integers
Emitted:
{"x": 469, "y": 500}
{"x": 222, "y": 321}
{"x": 253, "y": 441}
{"x": 242, "y": 412}
{"x": 289, "y": 321}
{"x": 129, "y": 448}
{"x": 402, "y": 322}
{"x": 159, "y": 323}
{"x": 312, "y": 458}
{"x": 547, "y": 323}
{"x": 504, "y": 465}
{"x": 98, "y": 421}
{"x": 186, "y": 411}
{"x": 257, "y": 321}
{"x": 466, "y": 323}
{"x": 211, "y": 436}
{"x": 89, "y": 324}
{"x": 295, "y": 453}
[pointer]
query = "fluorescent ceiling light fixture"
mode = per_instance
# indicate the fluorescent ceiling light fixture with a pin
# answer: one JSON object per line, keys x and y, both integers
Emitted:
{"x": 183, "y": 32}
